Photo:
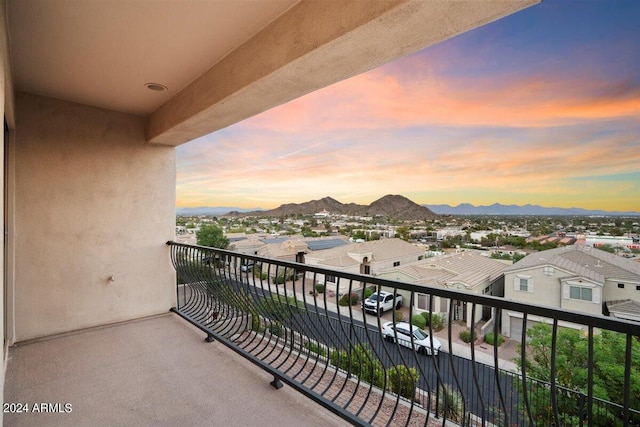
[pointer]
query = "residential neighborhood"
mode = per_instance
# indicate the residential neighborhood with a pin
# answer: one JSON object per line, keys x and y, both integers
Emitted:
{"x": 571, "y": 263}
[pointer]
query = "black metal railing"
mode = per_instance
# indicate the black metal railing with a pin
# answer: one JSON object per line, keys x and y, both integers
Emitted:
{"x": 284, "y": 317}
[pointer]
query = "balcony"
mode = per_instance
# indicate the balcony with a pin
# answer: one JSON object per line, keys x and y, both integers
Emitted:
{"x": 152, "y": 372}
{"x": 259, "y": 345}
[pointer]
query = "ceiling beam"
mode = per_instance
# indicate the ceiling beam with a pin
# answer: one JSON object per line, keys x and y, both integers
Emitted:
{"x": 312, "y": 45}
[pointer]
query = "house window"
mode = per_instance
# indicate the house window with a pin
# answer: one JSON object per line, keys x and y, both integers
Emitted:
{"x": 637, "y": 287}
{"x": 331, "y": 279}
{"x": 620, "y": 285}
{"x": 367, "y": 269}
{"x": 580, "y": 293}
{"x": 423, "y": 302}
{"x": 548, "y": 271}
{"x": 397, "y": 263}
{"x": 523, "y": 283}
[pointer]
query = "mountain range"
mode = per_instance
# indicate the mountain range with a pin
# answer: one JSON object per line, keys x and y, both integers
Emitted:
{"x": 391, "y": 206}
{"x": 213, "y": 211}
{"x": 499, "y": 209}
{"x": 398, "y": 207}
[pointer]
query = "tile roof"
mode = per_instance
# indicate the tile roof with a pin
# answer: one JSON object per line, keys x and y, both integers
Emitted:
{"x": 468, "y": 264}
{"x": 624, "y": 307}
{"x": 585, "y": 261}
{"x": 377, "y": 250}
{"x": 464, "y": 267}
{"x": 291, "y": 245}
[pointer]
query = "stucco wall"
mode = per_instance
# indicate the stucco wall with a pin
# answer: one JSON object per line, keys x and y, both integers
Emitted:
{"x": 611, "y": 291}
{"x": 546, "y": 289}
{"x": 93, "y": 200}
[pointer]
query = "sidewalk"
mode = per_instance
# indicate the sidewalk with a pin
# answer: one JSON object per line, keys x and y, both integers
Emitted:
{"x": 483, "y": 351}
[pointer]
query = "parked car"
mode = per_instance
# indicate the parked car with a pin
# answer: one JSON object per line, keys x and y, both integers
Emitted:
{"x": 378, "y": 303}
{"x": 422, "y": 342}
{"x": 247, "y": 267}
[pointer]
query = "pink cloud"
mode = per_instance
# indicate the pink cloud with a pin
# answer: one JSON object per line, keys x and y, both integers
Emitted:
{"x": 375, "y": 100}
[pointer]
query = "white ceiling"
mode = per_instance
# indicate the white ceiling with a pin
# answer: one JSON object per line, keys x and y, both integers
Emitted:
{"x": 102, "y": 52}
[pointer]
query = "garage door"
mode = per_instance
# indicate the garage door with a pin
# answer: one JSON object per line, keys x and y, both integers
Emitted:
{"x": 515, "y": 329}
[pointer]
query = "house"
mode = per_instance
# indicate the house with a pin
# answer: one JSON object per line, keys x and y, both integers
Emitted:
{"x": 577, "y": 278}
{"x": 466, "y": 271}
{"x": 627, "y": 242}
{"x": 362, "y": 258}
{"x": 296, "y": 248}
{"x": 247, "y": 244}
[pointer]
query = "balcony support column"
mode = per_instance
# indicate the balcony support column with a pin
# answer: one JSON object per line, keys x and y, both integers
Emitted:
{"x": 276, "y": 383}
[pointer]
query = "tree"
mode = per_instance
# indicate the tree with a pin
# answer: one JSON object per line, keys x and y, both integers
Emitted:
{"x": 360, "y": 234}
{"x": 572, "y": 373}
{"x": 607, "y": 248}
{"x": 308, "y": 232}
{"x": 403, "y": 232}
{"x": 211, "y": 235}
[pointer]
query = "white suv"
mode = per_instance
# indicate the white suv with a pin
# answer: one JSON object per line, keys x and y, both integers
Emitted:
{"x": 421, "y": 340}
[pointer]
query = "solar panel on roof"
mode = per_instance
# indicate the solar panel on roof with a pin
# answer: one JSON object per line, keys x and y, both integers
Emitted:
{"x": 268, "y": 241}
{"x": 318, "y": 245}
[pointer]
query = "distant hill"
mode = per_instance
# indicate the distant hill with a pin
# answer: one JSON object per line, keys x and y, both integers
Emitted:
{"x": 498, "y": 209}
{"x": 214, "y": 211}
{"x": 392, "y": 206}
{"x": 400, "y": 207}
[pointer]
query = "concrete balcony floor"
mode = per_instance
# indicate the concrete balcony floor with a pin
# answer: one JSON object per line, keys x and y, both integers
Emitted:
{"x": 152, "y": 372}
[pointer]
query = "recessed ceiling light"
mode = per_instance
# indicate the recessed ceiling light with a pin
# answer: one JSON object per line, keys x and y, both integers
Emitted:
{"x": 156, "y": 86}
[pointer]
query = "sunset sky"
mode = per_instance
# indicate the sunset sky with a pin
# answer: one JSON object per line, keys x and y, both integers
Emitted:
{"x": 540, "y": 107}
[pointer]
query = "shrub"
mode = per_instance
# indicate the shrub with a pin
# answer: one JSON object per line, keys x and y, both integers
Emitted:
{"x": 284, "y": 275}
{"x": 359, "y": 361}
{"x": 452, "y": 403}
{"x": 418, "y": 320}
{"x": 398, "y": 316}
{"x": 276, "y": 328}
{"x": 437, "y": 322}
{"x": 349, "y": 299}
{"x": 489, "y": 339}
{"x": 256, "y": 323}
{"x": 280, "y": 308}
{"x": 368, "y": 292}
{"x": 465, "y": 335}
{"x": 320, "y": 288}
{"x": 403, "y": 380}
{"x": 316, "y": 348}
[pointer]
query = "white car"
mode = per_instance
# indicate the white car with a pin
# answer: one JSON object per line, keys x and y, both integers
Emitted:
{"x": 422, "y": 342}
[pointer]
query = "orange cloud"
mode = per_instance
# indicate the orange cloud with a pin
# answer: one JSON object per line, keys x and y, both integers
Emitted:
{"x": 375, "y": 100}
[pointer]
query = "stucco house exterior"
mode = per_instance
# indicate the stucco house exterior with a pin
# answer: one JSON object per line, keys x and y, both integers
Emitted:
{"x": 465, "y": 271}
{"x": 577, "y": 278}
{"x": 362, "y": 258}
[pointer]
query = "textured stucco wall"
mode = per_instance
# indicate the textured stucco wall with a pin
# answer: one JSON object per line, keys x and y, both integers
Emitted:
{"x": 93, "y": 200}
{"x": 611, "y": 291}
